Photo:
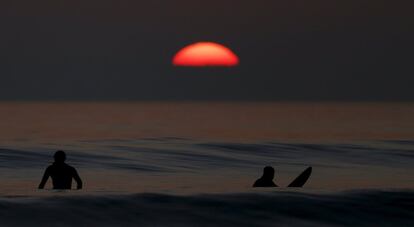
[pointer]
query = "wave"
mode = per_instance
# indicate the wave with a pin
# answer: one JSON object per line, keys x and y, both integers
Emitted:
{"x": 179, "y": 154}
{"x": 177, "y": 165}
{"x": 356, "y": 208}
{"x": 320, "y": 154}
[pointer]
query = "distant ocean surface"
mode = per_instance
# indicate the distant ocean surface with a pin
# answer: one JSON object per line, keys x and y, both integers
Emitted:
{"x": 186, "y": 164}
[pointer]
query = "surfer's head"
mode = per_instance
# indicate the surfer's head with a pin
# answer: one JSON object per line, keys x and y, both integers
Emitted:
{"x": 60, "y": 157}
{"x": 268, "y": 173}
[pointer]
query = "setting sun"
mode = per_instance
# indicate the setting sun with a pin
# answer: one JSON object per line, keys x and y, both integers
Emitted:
{"x": 205, "y": 54}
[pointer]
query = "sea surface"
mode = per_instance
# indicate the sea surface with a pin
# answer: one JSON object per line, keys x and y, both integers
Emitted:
{"x": 193, "y": 164}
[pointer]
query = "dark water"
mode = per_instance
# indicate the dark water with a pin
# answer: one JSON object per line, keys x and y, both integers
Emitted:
{"x": 209, "y": 184}
{"x": 186, "y": 166}
{"x": 358, "y": 208}
{"x": 167, "y": 164}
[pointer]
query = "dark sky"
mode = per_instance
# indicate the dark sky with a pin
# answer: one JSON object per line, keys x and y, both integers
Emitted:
{"x": 289, "y": 50}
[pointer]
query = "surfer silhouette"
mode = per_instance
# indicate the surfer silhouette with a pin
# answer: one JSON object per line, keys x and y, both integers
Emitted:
{"x": 61, "y": 174}
{"x": 267, "y": 179}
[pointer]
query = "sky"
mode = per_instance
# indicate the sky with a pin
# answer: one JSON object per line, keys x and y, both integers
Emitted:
{"x": 292, "y": 50}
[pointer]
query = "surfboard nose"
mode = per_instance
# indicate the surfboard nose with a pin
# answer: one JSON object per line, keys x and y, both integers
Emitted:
{"x": 301, "y": 179}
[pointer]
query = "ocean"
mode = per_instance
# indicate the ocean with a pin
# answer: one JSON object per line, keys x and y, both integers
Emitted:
{"x": 193, "y": 163}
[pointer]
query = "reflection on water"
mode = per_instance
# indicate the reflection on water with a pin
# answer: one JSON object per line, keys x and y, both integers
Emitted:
{"x": 243, "y": 122}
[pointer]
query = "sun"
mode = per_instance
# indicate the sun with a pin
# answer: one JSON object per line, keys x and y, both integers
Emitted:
{"x": 206, "y": 54}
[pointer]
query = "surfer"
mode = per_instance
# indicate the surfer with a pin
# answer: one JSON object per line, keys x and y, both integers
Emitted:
{"x": 267, "y": 179}
{"x": 61, "y": 173}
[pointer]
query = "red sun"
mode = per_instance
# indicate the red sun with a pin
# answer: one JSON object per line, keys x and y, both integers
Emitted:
{"x": 204, "y": 54}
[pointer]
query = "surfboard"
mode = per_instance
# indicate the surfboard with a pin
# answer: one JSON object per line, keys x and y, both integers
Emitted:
{"x": 301, "y": 179}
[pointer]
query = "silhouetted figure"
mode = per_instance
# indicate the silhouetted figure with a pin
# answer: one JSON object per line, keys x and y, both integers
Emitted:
{"x": 61, "y": 174}
{"x": 267, "y": 179}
